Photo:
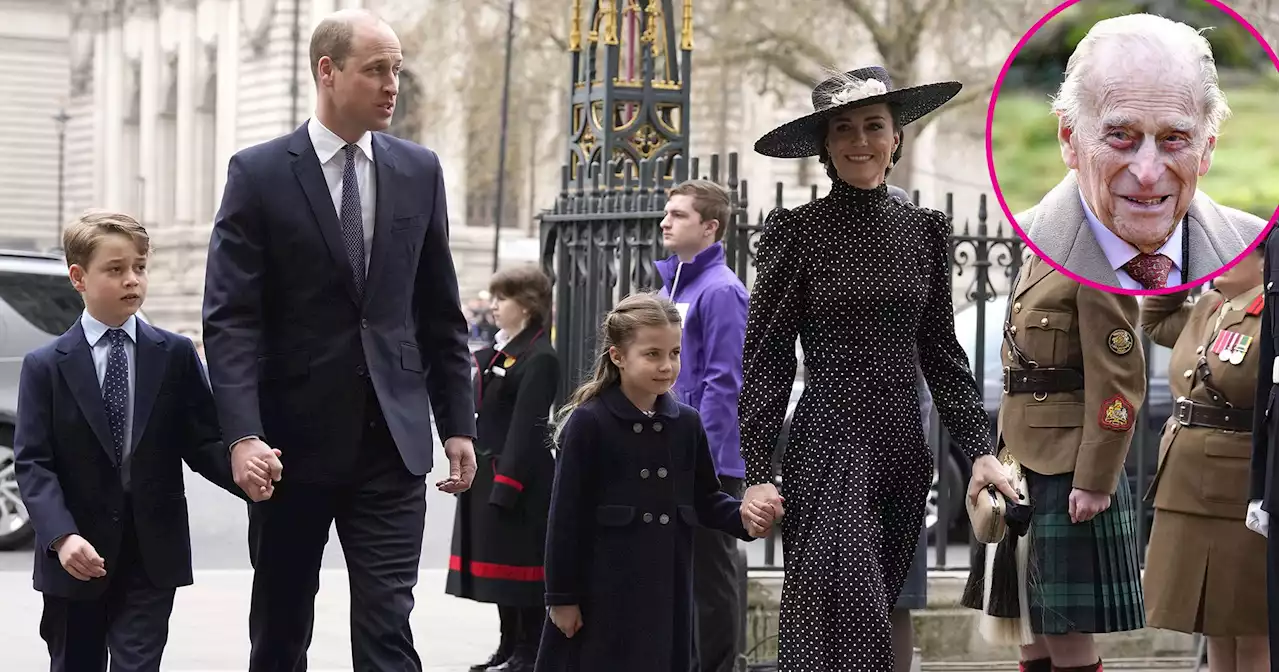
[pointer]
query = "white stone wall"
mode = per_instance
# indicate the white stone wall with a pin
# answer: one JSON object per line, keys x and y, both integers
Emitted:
{"x": 33, "y": 75}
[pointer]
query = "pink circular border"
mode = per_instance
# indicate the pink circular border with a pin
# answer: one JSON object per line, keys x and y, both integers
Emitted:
{"x": 995, "y": 183}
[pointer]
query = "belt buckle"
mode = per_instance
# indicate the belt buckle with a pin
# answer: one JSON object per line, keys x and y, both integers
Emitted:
{"x": 1006, "y": 379}
{"x": 1184, "y": 411}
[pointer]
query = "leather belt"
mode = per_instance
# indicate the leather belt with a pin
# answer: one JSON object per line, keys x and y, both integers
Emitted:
{"x": 1022, "y": 381}
{"x": 1191, "y": 414}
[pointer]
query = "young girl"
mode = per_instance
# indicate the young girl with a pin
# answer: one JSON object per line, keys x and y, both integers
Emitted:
{"x": 633, "y": 477}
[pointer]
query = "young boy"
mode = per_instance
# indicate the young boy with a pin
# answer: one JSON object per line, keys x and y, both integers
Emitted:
{"x": 107, "y": 413}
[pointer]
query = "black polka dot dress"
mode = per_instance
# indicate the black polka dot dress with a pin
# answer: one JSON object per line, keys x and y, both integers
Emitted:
{"x": 863, "y": 280}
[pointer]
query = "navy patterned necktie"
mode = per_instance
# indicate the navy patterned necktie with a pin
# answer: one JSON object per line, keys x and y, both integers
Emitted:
{"x": 115, "y": 389}
{"x": 352, "y": 217}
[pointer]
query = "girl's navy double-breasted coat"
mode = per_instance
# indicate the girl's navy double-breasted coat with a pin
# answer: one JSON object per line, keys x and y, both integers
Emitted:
{"x": 629, "y": 489}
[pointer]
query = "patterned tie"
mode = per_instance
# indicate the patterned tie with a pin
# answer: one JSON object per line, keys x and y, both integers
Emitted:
{"x": 115, "y": 389}
{"x": 1151, "y": 270}
{"x": 353, "y": 219}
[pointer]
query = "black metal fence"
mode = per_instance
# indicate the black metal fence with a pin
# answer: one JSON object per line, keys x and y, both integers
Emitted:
{"x": 601, "y": 239}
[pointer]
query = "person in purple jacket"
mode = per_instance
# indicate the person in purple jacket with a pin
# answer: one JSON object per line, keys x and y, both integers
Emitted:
{"x": 713, "y": 306}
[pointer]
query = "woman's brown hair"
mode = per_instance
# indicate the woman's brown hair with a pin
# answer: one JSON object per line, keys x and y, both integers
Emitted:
{"x": 528, "y": 286}
{"x": 631, "y": 314}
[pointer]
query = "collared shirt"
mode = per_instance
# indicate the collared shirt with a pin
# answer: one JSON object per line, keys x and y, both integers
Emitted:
{"x": 100, "y": 347}
{"x": 1120, "y": 252}
{"x": 332, "y": 155}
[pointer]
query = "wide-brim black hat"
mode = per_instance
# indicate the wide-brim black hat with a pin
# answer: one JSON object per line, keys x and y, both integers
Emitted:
{"x": 856, "y": 88}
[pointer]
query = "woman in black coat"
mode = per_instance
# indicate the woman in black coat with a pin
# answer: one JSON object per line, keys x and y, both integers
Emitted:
{"x": 501, "y": 522}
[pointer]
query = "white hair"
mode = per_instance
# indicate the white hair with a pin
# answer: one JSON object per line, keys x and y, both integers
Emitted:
{"x": 1157, "y": 34}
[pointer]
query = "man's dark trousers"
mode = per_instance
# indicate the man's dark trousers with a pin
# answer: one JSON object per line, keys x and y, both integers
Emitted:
{"x": 132, "y": 616}
{"x": 379, "y": 513}
{"x": 717, "y": 583}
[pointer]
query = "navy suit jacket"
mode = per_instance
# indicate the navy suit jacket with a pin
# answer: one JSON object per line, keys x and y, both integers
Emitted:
{"x": 292, "y": 349}
{"x": 66, "y": 465}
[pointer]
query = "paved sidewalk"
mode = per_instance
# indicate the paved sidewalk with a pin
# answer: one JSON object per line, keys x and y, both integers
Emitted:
{"x": 208, "y": 631}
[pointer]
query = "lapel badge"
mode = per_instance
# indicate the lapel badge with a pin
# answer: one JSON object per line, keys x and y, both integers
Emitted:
{"x": 1116, "y": 414}
{"x": 1120, "y": 341}
{"x": 506, "y": 363}
{"x": 499, "y": 371}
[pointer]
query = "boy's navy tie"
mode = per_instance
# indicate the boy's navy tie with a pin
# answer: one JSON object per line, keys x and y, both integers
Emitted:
{"x": 115, "y": 389}
{"x": 353, "y": 219}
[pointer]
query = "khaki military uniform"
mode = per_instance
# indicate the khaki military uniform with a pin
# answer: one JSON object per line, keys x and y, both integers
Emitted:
{"x": 1075, "y": 375}
{"x": 1205, "y": 569}
{"x": 1061, "y": 335}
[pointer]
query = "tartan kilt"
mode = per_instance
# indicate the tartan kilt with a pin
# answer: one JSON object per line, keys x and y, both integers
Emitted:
{"x": 1083, "y": 578}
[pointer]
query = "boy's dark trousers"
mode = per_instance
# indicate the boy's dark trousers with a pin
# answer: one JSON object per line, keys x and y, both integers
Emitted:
{"x": 131, "y": 618}
{"x": 718, "y": 606}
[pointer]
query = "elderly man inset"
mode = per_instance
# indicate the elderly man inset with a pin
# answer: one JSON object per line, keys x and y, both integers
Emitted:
{"x": 1139, "y": 114}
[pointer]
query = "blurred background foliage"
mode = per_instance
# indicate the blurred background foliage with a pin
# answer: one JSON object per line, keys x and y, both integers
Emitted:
{"x": 1246, "y": 166}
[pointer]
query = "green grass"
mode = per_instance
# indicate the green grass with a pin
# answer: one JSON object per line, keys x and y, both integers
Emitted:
{"x": 1246, "y": 164}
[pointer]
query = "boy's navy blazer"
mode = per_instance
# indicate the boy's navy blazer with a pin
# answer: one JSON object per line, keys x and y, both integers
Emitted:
{"x": 66, "y": 465}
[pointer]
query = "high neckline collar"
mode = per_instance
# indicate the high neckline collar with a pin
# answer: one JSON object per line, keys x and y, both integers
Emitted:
{"x": 846, "y": 193}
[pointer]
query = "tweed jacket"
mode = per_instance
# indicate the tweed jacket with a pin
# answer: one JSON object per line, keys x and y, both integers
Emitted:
{"x": 1216, "y": 235}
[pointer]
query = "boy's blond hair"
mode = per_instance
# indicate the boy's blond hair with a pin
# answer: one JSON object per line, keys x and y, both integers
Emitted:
{"x": 82, "y": 238}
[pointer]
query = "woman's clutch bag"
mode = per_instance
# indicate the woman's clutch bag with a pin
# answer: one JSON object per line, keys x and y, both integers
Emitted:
{"x": 986, "y": 515}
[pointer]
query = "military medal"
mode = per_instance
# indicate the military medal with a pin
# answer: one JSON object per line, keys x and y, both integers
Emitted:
{"x": 1240, "y": 348}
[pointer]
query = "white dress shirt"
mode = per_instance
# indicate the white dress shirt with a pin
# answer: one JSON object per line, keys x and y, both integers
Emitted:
{"x": 100, "y": 348}
{"x": 1120, "y": 252}
{"x": 332, "y": 156}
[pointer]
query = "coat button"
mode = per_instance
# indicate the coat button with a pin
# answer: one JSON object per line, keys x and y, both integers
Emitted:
{"x": 648, "y": 517}
{"x": 1017, "y": 307}
{"x": 1013, "y": 329}
{"x": 664, "y": 519}
{"x": 644, "y": 473}
{"x": 637, "y": 428}
{"x": 662, "y": 472}
{"x": 657, "y": 426}
{"x": 1044, "y": 321}
{"x": 360, "y": 370}
{"x": 1199, "y": 349}
{"x": 1186, "y": 374}
{"x": 364, "y": 324}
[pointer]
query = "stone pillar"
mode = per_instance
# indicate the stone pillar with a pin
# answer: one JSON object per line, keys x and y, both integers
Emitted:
{"x": 228, "y": 60}
{"x": 185, "y": 175}
{"x": 150, "y": 145}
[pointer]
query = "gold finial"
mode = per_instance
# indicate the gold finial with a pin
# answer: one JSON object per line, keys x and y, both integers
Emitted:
{"x": 686, "y": 27}
{"x": 610, "y": 22}
{"x": 654, "y": 11}
{"x": 575, "y": 27}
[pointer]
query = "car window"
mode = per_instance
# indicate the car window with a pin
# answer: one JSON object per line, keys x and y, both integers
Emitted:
{"x": 48, "y": 302}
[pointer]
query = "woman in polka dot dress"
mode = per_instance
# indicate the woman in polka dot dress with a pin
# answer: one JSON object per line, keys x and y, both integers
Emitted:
{"x": 863, "y": 280}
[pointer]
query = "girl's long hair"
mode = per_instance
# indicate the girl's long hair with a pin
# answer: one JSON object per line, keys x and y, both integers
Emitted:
{"x": 633, "y": 313}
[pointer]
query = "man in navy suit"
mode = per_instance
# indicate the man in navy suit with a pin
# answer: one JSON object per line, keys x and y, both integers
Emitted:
{"x": 107, "y": 413}
{"x": 332, "y": 323}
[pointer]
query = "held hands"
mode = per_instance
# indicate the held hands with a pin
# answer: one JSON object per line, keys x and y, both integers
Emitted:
{"x": 256, "y": 467}
{"x": 568, "y": 618}
{"x": 79, "y": 558}
{"x": 1083, "y": 505}
{"x": 761, "y": 507}
{"x": 462, "y": 465}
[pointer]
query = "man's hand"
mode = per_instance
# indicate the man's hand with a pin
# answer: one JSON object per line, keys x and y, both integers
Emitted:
{"x": 568, "y": 618}
{"x": 462, "y": 465}
{"x": 79, "y": 558}
{"x": 1083, "y": 505}
{"x": 761, "y": 506}
{"x": 256, "y": 467}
